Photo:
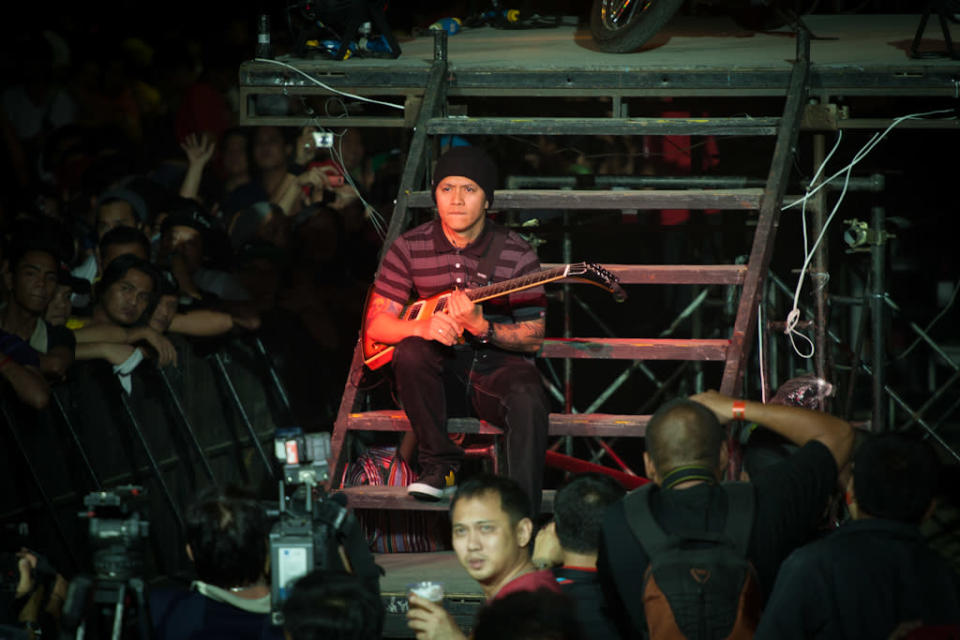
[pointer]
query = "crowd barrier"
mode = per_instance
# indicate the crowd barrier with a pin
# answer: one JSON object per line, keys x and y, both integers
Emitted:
{"x": 209, "y": 419}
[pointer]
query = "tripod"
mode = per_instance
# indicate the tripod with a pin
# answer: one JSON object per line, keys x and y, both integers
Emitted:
{"x": 89, "y": 604}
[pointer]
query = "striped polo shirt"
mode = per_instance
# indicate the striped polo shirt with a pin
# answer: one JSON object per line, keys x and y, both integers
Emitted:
{"x": 422, "y": 263}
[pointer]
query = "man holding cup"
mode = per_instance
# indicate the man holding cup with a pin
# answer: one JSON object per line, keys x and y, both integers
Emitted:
{"x": 492, "y": 534}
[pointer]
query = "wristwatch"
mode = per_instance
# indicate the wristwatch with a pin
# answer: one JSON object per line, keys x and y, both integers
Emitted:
{"x": 487, "y": 335}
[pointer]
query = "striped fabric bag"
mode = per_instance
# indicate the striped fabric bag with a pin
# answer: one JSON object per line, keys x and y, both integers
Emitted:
{"x": 389, "y": 530}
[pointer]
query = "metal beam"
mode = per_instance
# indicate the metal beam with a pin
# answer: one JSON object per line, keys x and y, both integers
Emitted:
{"x": 608, "y": 126}
{"x": 763, "y": 240}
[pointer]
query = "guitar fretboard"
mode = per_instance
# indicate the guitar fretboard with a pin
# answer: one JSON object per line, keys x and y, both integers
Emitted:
{"x": 516, "y": 284}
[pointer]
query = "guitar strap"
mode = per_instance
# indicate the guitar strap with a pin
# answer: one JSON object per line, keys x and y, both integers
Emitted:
{"x": 488, "y": 261}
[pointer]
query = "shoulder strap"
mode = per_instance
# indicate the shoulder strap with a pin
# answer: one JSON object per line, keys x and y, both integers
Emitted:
{"x": 741, "y": 502}
{"x": 644, "y": 525}
{"x": 489, "y": 260}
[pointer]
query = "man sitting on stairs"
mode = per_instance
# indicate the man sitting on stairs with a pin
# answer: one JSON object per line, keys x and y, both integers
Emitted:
{"x": 467, "y": 351}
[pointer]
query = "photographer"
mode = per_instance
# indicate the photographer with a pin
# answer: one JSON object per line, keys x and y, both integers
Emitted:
{"x": 227, "y": 541}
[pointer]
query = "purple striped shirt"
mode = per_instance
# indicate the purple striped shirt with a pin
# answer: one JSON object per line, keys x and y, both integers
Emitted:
{"x": 422, "y": 263}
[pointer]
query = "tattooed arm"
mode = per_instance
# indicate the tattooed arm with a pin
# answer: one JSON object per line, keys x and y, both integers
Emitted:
{"x": 383, "y": 324}
{"x": 525, "y": 337}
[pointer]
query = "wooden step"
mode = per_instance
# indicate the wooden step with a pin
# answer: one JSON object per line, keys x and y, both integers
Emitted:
{"x": 396, "y": 420}
{"x": 561, "y": 424}
{"x": 612, "y": 199}
{"x": 463, "y": 125}
{"x": 396, "y": 498}
{"x": 725, "y": 274}
{"x": 635, "y": 348}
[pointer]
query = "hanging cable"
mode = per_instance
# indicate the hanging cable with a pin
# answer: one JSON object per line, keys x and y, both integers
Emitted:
{"x": 793, "y": 318}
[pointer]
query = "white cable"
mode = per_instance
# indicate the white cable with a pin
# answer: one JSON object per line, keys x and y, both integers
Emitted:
{"x": 793, "y": 318}
{"x": 328, "y": 87}
{"x": 867, "y": 148}
{"x": 376, "y": 219}
{"x": 763, "y": 385}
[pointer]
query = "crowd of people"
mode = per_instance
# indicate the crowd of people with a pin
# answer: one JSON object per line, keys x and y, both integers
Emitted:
{"x": 233, "y": 228}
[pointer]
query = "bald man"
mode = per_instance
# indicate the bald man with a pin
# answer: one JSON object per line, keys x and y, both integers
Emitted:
{"x": 685, "y": 458}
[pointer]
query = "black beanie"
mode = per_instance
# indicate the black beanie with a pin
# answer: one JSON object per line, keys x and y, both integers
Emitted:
{"x": 469, "y": 162}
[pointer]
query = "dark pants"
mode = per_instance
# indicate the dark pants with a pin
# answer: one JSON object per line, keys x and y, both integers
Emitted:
{"x": 500, "y": 387}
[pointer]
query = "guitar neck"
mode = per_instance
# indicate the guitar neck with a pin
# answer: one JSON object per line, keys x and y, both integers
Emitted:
{"x": 506, "y": 287}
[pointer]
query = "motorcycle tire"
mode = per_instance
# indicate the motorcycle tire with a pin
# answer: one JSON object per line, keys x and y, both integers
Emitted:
{"x": 622, "y": 26}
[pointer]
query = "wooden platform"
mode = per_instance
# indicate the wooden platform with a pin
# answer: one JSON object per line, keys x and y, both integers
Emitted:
{"x": 369, "y": 497}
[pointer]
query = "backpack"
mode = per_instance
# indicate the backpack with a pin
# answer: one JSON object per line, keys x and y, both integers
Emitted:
{"x": 388, "y": 530}
{"x": 698, "y": 585}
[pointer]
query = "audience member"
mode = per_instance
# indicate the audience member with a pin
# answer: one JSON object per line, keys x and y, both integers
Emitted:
{"x": 570, "y": 542}
{"x": 61, "y": 306}
{"x": 492, "y": 532}
{"x": 199, "y": 151}
{"x": 122, "y": 241}
{"x": 530, "y": 615}
{"x": 332, "y": 605}
{"x": 686, "y": 458}
{"x": 227, "y": 541}
{"x": 165, "y": 315}
{"x": 123, "y": 296}
{"x": 115, "y": 208}
{"x": 185, "y": 234}
{"x": 31, "y": 281}
{"x": 125, "y": 291}
{"x": 120, "y": 208}
{"x": 875, "y": 573}
{"x": 237, "y": 189}
{"x": 282, "y": 169}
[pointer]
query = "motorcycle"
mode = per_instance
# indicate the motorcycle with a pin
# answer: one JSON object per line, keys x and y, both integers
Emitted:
{"x": 621, "y": 26}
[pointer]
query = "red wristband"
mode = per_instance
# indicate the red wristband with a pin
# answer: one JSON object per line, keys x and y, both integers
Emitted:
{"x": 739, "y": 409}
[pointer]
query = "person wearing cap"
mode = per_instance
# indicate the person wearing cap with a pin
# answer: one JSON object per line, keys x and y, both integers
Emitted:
{"x": 166, "y": 317}
{"x": 484, "y": 349}
{"x": 61, "y": 304}
{"x": 185, "y": 234}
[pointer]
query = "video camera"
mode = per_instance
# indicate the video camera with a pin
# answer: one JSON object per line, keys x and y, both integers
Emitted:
{"x": 116, "y": 531}
{"x": 309, "y": 524}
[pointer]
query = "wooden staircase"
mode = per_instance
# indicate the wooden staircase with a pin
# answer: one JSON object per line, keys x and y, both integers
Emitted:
{"x": 733, "y": 351}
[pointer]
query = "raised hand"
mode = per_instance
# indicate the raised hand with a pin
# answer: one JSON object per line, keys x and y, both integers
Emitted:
{"x": 200, "y": 149}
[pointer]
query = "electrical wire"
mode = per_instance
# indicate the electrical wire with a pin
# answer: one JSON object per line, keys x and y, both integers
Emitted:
{"x": 793, "y": 318}
{"x": 376, "y": 218}
{"x": 328, "y": 87}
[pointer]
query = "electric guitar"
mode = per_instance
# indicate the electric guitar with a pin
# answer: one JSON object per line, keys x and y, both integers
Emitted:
{"x": 376, "y": 354}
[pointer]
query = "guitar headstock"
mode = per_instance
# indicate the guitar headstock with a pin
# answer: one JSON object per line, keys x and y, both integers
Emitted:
{"x": 595, "y": 274}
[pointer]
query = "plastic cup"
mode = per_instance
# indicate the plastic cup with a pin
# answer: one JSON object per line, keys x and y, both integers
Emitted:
{"x": 427, "y": 589}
